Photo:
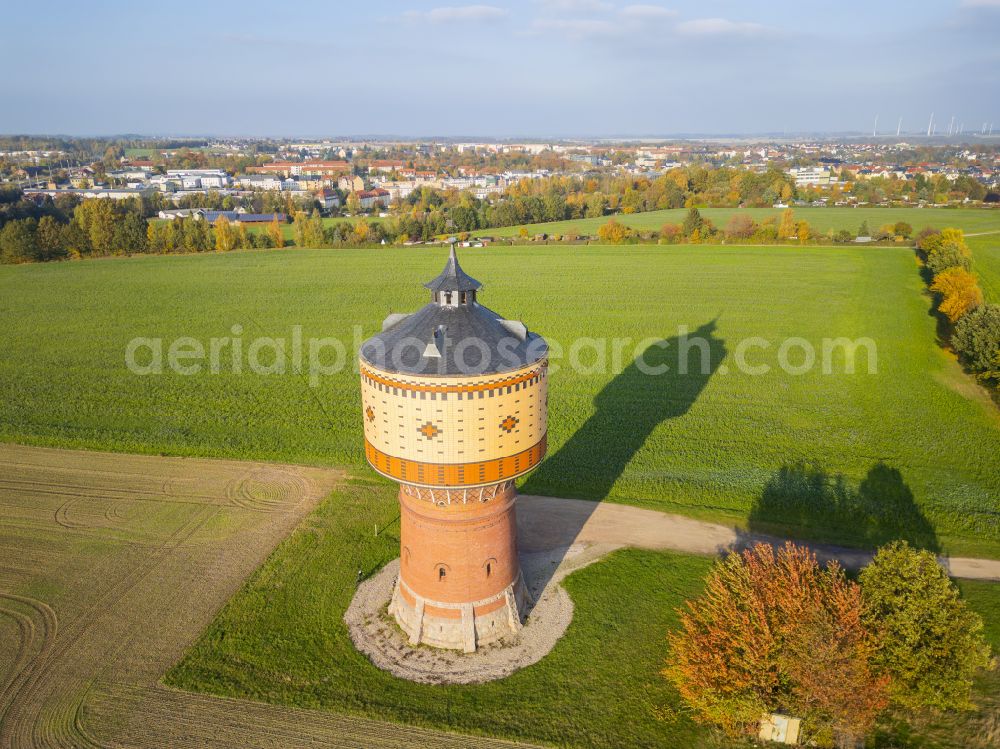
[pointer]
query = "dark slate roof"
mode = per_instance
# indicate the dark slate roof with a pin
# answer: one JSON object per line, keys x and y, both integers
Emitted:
{"x": 453, "y": 278}
{"x": 471, "y": 339}
{"x": 246, "y": 218}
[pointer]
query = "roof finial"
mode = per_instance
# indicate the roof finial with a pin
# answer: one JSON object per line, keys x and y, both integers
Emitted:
{"x": 453, "y": 278}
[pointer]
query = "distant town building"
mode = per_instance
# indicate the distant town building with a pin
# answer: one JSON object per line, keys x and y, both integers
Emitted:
{"x": 368, "y": 199}
{"x": 259, "y": 181}
{"x": 384, "y": 165}
{"x": 813, "y": 175}
{"x": 296, "y": 168}
{"x": 351, "y": 183}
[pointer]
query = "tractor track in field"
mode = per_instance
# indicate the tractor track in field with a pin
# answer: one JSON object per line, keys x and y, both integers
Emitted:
{"x": 26, "y": 660}
{"x": 17, "y": 731}
{"x": 169, "y": 542}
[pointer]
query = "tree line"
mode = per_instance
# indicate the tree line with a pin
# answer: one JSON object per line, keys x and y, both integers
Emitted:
{"x": 90, "y": 228}
{"x": 774, "y": 632}
{"x": 744, "y": 229}
{"x": 972, "y": 325}
{"x": 563, "y": 198}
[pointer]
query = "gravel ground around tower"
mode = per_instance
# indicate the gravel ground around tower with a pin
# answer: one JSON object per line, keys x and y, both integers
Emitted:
{"x": 376, "y": 634}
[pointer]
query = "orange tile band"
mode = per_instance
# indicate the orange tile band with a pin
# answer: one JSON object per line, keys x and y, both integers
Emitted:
{"x": 457, "y": 474}
{"x": 532, "y": 374}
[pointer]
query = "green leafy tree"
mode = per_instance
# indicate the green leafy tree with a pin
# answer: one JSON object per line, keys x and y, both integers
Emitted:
{"x": 131, "y": 234}
{"x": 155, "y": 236}
{"x": 955, "y": 238}
{"x": 299, "y": 229}
{"x": 49, "y": 239}
{"x": 927, "y": 239}
{"x": 977, "y": 339}
{"x": 692, "y": 222}
{"x": 903, "y": 229}
{"x": 947, "y": 255}
{"x": 18, "y": 243}
{"x": 197, "y": 235}
{"x": 98, "y": 219}
{"x": 927, "y": 640}
{"x": 75, "y": 239}
{"x": 313, "y": 230}
{"x": 262, "y": 240}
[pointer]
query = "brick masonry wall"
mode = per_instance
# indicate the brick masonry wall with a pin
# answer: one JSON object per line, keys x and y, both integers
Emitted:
{"x": 474, "y": 543}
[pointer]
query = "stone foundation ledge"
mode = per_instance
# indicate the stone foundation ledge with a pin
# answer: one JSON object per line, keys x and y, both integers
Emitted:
{"x": 376, "y": 634}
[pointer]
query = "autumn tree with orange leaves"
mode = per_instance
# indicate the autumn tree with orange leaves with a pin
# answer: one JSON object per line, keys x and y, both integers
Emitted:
{"x": 959, "y": 290}
{"x": 775, "y": 632}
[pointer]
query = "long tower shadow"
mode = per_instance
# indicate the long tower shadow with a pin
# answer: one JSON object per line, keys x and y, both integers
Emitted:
{"x": 662, "y": 384}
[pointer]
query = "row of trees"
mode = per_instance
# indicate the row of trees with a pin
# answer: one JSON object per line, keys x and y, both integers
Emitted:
{"x": 569, "y": 197}
{"x": 94, "y": 228}
{"x": 99, "y": 228}
{"x": 196, "y": 235}
{"x": 775, "y": 632}
{"x": 744, "y": 229}
{"x": 974, "y": 325}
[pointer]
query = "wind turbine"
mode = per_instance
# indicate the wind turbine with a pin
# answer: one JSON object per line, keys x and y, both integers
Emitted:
{"x": 930, "y": 124}
{"x": 951, "y": 125}
{"x": 875, "y": 129}
{"x": 899, "y": 126}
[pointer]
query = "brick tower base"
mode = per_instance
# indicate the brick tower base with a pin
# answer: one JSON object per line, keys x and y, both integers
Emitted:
{"x": 460, "y": 584}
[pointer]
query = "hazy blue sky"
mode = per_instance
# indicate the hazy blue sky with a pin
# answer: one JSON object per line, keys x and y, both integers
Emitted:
{"x": 535, "y": 67}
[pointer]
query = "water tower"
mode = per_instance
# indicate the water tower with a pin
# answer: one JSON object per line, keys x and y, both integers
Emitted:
{"x": 453, "y": 399}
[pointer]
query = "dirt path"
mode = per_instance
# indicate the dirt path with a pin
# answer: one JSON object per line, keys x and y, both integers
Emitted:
{"x": 549, "y": 522}
{"x": 110, "y": 566}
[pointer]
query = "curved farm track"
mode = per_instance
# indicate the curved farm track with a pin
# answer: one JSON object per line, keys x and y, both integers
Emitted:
{"x": 110, "y": 566}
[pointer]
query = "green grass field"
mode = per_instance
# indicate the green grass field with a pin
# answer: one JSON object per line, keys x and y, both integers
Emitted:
{"x": 986, "y": 264}
{"x": 282, "y": 639}
{"x": 141, "y": 153}
{"x": 821, "y": 219}
{"x": 911, "y": 449}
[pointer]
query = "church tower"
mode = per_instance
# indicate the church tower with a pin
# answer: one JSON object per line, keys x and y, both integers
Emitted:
{"x": 453, "y": 399}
